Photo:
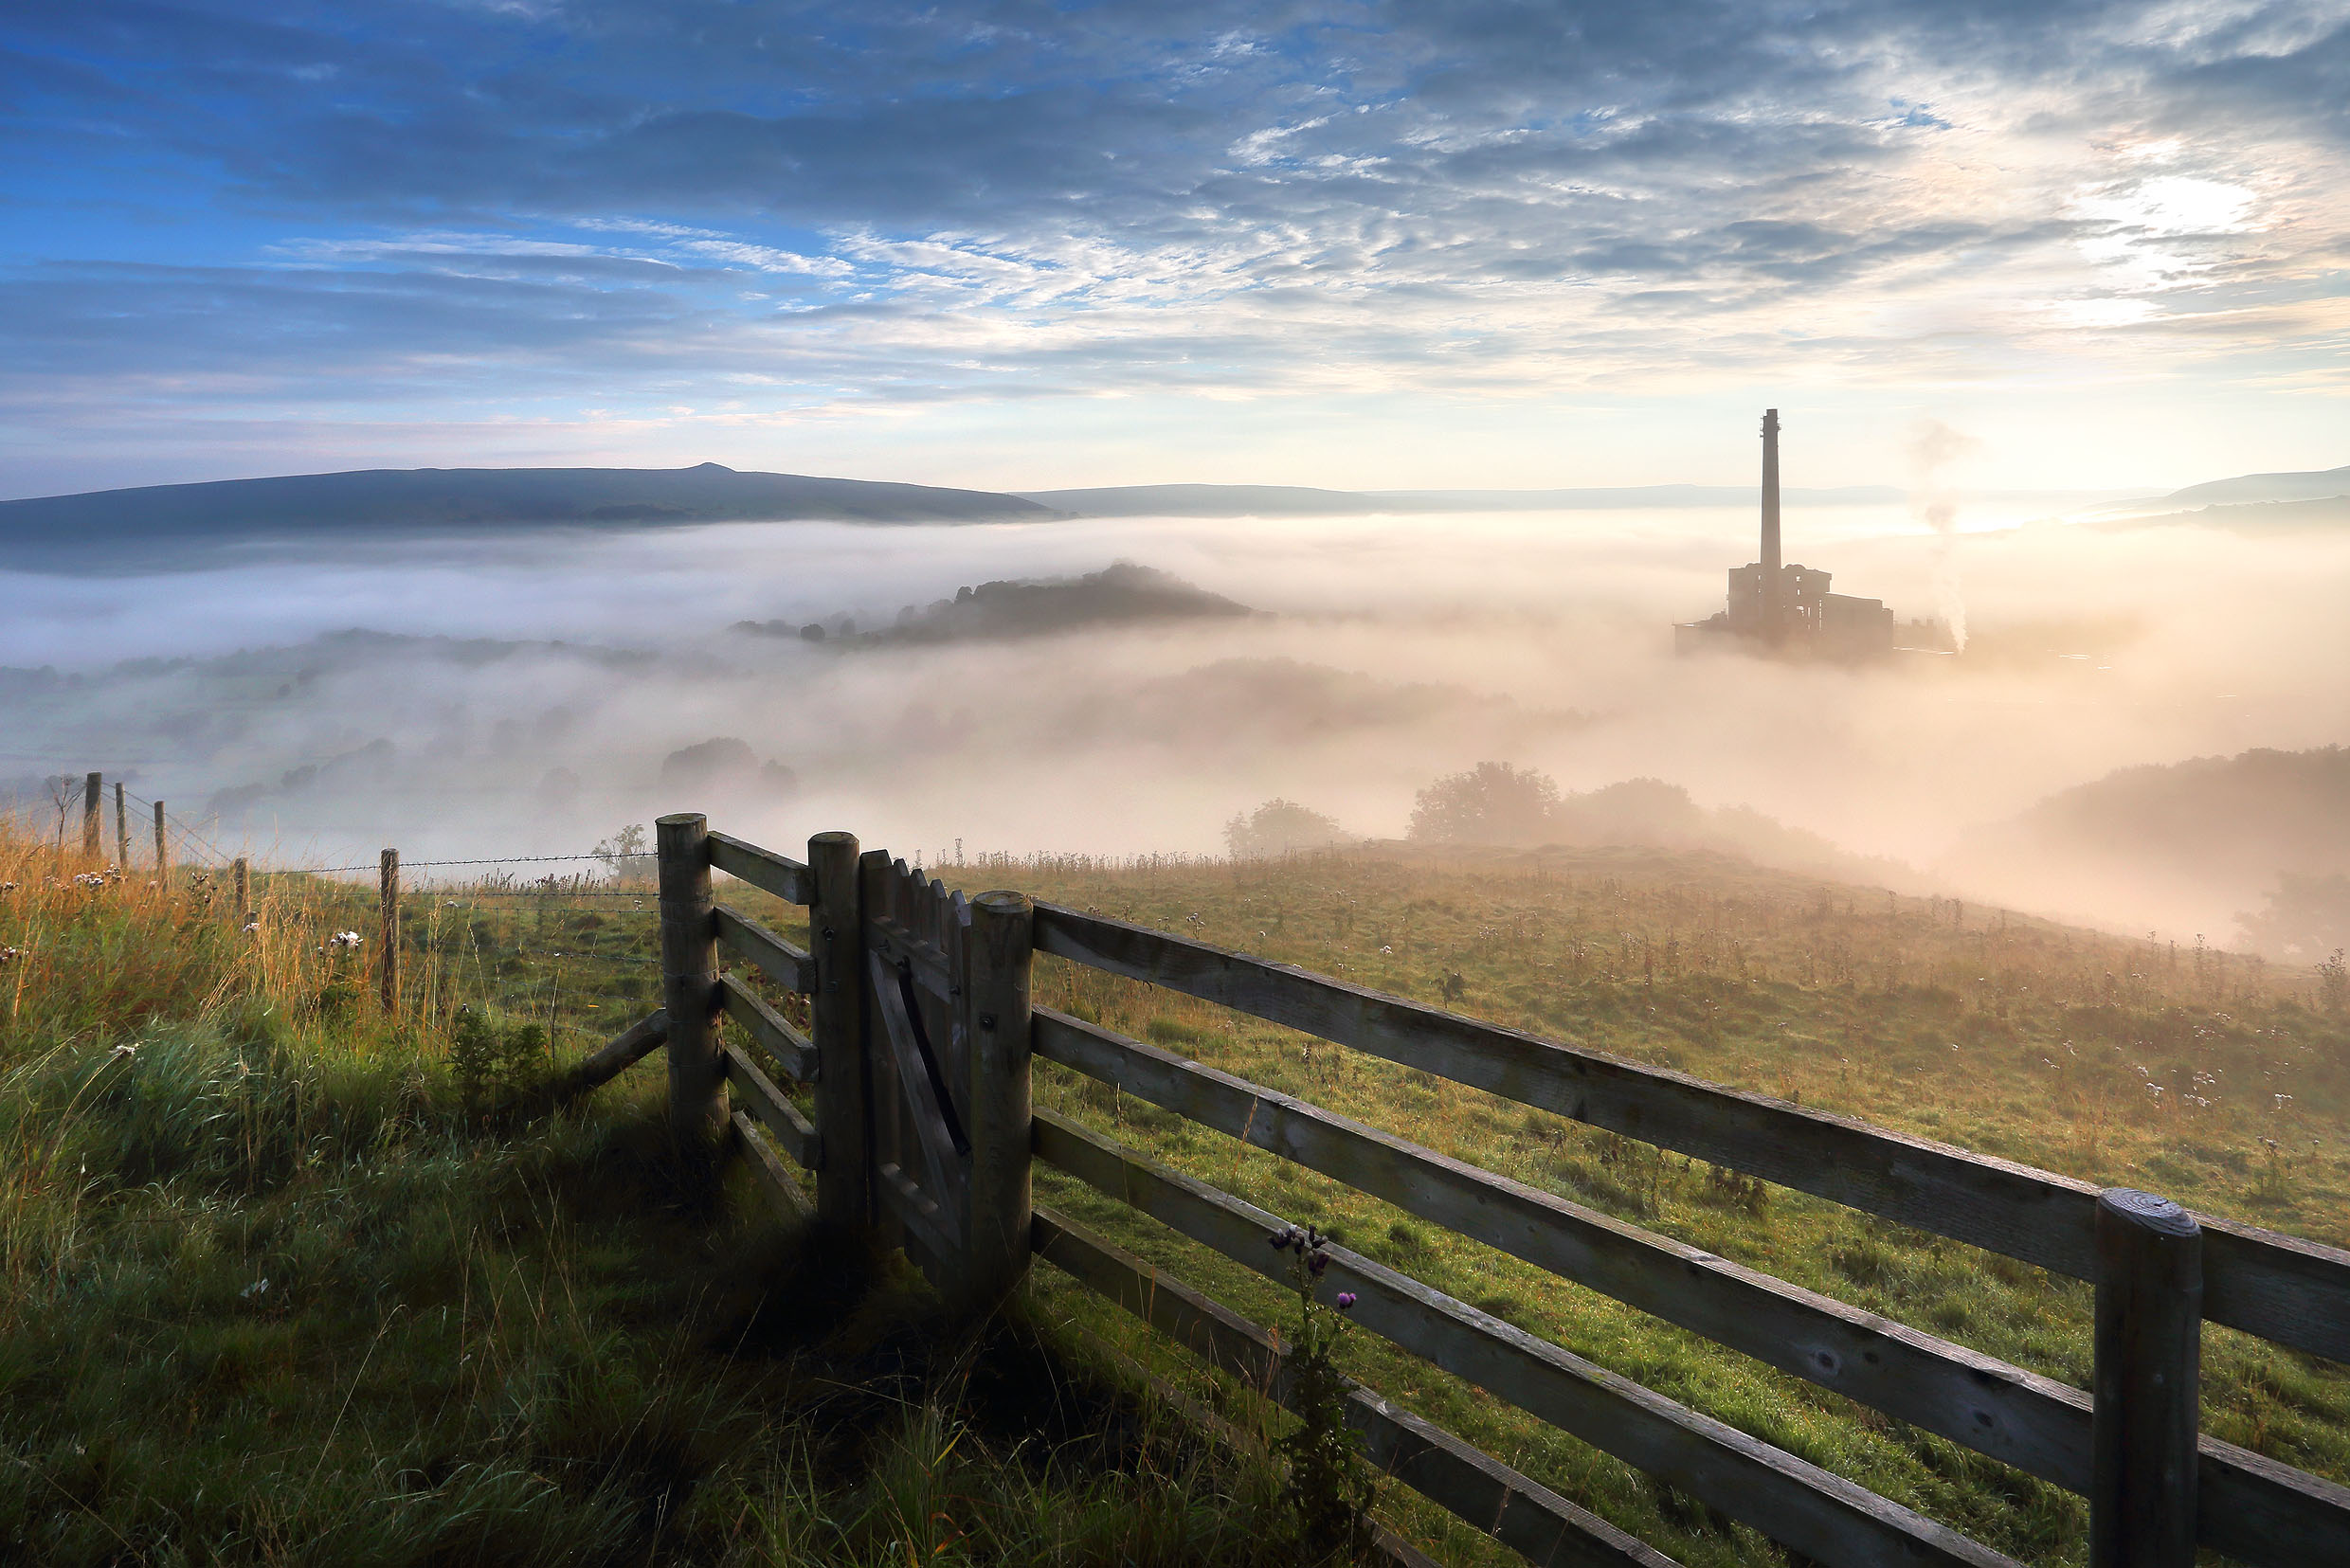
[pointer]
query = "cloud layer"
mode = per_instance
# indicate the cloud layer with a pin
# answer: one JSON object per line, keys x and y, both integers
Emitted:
{"x": 605, "y": 226}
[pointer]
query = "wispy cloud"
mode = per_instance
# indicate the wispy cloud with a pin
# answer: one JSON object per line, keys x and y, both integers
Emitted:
{"x": 397, "y": 206}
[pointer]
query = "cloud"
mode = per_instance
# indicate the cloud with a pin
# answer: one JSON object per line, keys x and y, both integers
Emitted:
{"x": 983, "y": 200}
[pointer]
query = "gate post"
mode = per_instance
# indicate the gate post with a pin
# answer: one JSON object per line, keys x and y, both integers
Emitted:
{"x": 996, "y": 1008}
{"x": 2141, "y": 1498}
{"x": 836, "y": 940}
{"x": 689, "y": 952}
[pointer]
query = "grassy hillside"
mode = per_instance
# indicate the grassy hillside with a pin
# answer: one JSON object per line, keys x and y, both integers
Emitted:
{"x": 484, "y": 1341}
{"x": 2212, "y": 1079}
{"x": 276, "y": 1286}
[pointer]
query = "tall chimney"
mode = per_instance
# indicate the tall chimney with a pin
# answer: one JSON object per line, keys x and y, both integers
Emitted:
{"x": 1774, "y": 613}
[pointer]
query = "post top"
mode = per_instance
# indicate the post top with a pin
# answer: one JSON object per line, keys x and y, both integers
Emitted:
{"x": 2147, "y": 1211}
{"x": 1002, "y": 902}
{"x": 681, "y": 818}
{"x": 834, "y": 836}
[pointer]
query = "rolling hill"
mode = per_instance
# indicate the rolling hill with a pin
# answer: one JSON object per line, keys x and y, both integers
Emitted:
{"x": 396, "y": 500}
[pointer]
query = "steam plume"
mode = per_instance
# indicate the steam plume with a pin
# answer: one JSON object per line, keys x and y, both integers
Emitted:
{"x": 1934, "y": 447}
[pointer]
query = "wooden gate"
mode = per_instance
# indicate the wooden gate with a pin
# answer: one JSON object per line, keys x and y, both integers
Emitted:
{"x": 918, "y": 1031}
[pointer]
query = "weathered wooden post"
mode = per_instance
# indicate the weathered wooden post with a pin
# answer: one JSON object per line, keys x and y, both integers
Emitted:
{"x": 163, "y": 850}
{"x": 93, "y": 843}
{"x": 689, "y": 945}
{"x": 387, "y": 903}
{"x": 240, "y": 892}
{"x": 996, "y": 1008}
{"x": 2150, "y": 1362}
{"x": 122, "y": 832}
{"x": 837, "y": 939}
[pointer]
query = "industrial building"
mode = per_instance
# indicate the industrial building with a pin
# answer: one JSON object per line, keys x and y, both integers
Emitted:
{"x": 1787, "y": 609}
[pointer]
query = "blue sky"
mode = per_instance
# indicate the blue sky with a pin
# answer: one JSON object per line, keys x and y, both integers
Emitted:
{"x": 1379, "y": 244}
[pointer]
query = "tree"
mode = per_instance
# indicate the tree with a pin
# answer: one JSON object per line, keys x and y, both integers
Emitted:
{"x": 1279, "y": 826}
{"x": 2307, "y": 917}
{"x": 1492, "y": 803}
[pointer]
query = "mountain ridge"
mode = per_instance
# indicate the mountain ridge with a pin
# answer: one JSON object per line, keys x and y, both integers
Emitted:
{"x": 427, "y": 497}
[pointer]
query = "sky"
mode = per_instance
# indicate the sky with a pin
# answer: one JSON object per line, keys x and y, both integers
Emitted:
{"x": 1018, "y": 246}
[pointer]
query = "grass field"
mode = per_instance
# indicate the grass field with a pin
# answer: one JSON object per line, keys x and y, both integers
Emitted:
{"x": 273, "y": 1289}
{"x": 2203, "y": 1076}
{"x": 484, "y": 1343}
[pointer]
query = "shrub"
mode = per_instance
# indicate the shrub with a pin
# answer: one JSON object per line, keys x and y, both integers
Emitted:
{"x": 1492, "y": 803}
{"x": 1278, "y": 827}
{"x": 495, "y": 1064}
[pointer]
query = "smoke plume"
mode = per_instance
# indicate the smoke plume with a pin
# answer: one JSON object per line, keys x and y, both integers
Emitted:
{"x": 1934, "y": 447}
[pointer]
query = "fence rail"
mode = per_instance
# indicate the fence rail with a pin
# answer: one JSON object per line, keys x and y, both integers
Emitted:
{"x": 2281, "y": 1287}
{"x": 1474, "y": 1485}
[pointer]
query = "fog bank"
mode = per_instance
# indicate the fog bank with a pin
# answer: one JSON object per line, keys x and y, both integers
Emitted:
{"x": 521, "y": 696}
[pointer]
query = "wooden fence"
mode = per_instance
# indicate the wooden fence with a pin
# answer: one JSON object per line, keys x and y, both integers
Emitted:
{"x": 923, "y": 1130}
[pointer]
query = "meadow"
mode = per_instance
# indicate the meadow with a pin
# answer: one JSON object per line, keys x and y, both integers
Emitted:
{"x": 2205, "y": 1076}
{"x": 278, "y": 1283}
{"x": 282, "y": 1285}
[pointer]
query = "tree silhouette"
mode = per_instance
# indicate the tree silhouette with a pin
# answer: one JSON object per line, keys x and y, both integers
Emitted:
{"x": 1492, "y": 803}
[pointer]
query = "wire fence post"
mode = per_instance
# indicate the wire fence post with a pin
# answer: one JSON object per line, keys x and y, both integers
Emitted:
{"x": 2148, "y": 1364}
{"x": 689, "y": 947}
{"x": 240, "y": 892}
{"x": 93, "y": 844}
{"x": 163, "y": 850}
{"x": 388, "y": 896}
{"x": 122, "y": 832}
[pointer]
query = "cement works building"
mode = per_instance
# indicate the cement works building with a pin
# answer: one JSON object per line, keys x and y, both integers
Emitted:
{"x": 1787, "y": 609}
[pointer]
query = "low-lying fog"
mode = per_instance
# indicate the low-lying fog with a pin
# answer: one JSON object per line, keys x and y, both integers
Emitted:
{"x": 1396, "y": 650}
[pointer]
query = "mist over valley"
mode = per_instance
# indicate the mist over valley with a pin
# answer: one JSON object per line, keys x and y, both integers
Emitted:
{"x": 1125, "y": 683}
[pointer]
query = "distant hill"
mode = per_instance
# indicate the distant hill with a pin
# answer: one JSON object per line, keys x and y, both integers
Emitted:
{"x": 1121, "y": 594}
{"x": 392, "y": 500}
{"x": 1202, "y": 500}
{"x": 2316, "y": 485}
{"x": 2273, "y": 516}
{"x": 1279, "y": 500}
{"x": 2214, "y": 834}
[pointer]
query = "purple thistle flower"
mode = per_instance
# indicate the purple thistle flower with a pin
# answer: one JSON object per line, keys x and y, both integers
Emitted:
{"x": 1317, "y": 1263}
{"x": 1279, "y": 1241}
{"x": 1345, "y": 1301}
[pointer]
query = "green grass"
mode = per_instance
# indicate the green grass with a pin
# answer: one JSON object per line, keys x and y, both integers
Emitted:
{"x": 497, "y": 1343}
{"x": 1973, "y": 1027}
{"x": 271, "y": 1291}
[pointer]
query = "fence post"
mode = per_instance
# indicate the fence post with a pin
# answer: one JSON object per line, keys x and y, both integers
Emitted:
{"x": 2149, "y": 1354}
{"x": 93, "y": 843}
{"x": 122, "y": 832}
{"x": 163, "y": 850}
{"x": 387, "y": 900}
{"x": 239, "y": 892}
{"x": 996, "y": 1004}
{"x": 837, "y": 938}
{"x": 688, "y": 944}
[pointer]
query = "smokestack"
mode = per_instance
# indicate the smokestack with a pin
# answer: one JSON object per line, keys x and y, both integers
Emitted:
{"x": 1774, "y": 618}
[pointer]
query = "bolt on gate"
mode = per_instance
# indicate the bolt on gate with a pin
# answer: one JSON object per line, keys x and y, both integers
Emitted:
{"x": 924, "y": 1134}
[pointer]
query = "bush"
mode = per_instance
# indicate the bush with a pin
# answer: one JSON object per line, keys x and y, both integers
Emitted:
{"x": 1492, "y": 803}
{"x": 495, "y": 1064}
{"x": 1278, "y": 827}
